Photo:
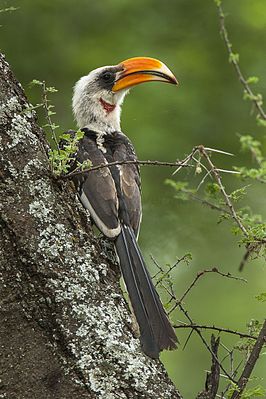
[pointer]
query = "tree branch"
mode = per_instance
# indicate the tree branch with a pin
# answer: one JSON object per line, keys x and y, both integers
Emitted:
{"x": 225, "y": 195}
{"x": 107, "y": 165}
{"x": 215, "y": 328}
{"x": 234, "y": 60}
{"x": 243, "y": 380}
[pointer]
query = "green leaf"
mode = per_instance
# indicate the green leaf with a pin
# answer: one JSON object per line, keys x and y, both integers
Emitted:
{"x": 256, "y": 392}
{"x": 86, "y": 164}
{"x": 260, "y": 121}
{"x": 181, "y": 189}
{"x": 212, "y": 190}
{"x": 252, "y": 80}
{"x": 234, "y": 57}
{"x": 8, "y": 9}
{"x": 79, "y": 135}
{"x": 36, "y": 82}
{"x": 261, "y": 297}
{"x": 239, "y": 193}
{"x": 51, "y": 89}
{"x": 65, "y": 136}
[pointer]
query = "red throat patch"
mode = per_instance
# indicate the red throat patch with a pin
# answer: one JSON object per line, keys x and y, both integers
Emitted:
{"x": 108, "y": 107}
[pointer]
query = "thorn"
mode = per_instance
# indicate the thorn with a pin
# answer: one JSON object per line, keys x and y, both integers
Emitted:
{"x": 234, "y": 172}
{"x": 220, "y": 151}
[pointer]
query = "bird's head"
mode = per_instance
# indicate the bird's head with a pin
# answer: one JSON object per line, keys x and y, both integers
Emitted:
{"x": 99, "y": 95}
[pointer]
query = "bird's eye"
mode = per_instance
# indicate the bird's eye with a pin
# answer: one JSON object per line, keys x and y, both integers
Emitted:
{"x": 107, "y": 77}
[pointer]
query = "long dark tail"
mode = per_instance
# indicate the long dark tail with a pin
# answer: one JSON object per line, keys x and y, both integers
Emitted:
{"x": 156, "y": 332}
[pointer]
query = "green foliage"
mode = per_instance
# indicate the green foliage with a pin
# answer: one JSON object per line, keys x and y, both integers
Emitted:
{"x": 234, "y": 57}
{"x": 248, "y": 143}
{"x": 212, "y": 190}
{"x": 62, "y": 158}
{"x": 253, "y": 146}
{"x": 252, "y": 80}
{"x": 245, "y": 345}
{"x": 46, "y": 105}
{"x": 247, "y": 225}
{"x": 253, "y": 97}
{"x": 182, "y": 191}
{"x": 258, "y": 174}
{"x": 250, "y": 393}
{"x": 239, "y": 193}
{"x": 261, "y": 297}
{"x": 260, "y": 121}
{"x": 8, "y": 9}
{"x": 255, "y": 392}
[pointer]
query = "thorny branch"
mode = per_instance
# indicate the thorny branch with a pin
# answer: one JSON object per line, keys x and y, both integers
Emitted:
{"x": 212, "y": 379}
{"x": 178, "y": 303}
{"x": 162, "y": 271}
{"x": 215, "y": 328}
{"x": 198, "y": 276}
{"x": 212, "y": 171}
{"x": 225, "y": 195}
{"x": 141, "y": 163}
{"x": 257, "y": 101}
{"x": 206, "y": 344}
{"x": 205, "y": 202}
{"x": 206, "y": 271}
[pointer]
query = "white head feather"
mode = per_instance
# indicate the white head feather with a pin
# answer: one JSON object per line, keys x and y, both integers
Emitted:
{"x": 87, "y": 107}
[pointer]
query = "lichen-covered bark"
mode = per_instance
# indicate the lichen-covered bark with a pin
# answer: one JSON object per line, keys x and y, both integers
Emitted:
{"x": 65, "y": 329}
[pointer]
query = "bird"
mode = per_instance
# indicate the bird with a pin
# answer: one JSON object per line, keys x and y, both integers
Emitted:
{"x": 112, "y": 194}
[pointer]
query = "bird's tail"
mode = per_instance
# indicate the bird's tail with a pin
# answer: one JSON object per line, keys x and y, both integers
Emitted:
{"x": 156, "y": 332}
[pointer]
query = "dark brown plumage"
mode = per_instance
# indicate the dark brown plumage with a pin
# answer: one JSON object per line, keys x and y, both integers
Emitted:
{"x": 113, "y": 198}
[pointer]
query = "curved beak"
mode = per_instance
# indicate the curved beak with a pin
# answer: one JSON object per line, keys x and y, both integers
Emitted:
{"x": 142, "y": 69}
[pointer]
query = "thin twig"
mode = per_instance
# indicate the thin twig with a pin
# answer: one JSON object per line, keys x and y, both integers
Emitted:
{"x": 215, "y": 328}
{"x": 225, "y": 195}
{"x": 234, "y": 60}
{"x": 107, "y": 165}
{"x": 207, "y": 203}
{"x": 170, "y": 268}
{"x": 202, "y": 273}
{"x": 203, "y": 179}
{"x": 47, "y": 114}
{"x": 206, "y": 343}
{"x": 186, "y": 160}
{"x": 172, "y": 294}
{"x": 198, "y": 276}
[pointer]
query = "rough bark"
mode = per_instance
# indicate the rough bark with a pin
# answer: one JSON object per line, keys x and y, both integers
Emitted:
{"x": 65, "y": 328}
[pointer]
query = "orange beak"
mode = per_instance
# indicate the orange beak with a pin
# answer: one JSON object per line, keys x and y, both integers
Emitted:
{"x": 142, "y": 69}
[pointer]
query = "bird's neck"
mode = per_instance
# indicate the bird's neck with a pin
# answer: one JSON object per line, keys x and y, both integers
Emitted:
{"x": 98, "y": 115}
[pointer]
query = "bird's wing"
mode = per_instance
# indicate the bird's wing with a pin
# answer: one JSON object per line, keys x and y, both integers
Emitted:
{"x": 130, "y": 182}
{"x": 97, "y": 190}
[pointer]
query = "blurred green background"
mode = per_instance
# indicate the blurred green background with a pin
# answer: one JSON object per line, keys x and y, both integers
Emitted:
{"x": 58, "y": 41}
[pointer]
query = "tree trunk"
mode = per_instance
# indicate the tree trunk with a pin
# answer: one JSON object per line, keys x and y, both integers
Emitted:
{"x": 65, "y": 328}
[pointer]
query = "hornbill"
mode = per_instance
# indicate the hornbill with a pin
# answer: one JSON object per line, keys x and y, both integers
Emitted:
{"x": 112, "y": 194}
